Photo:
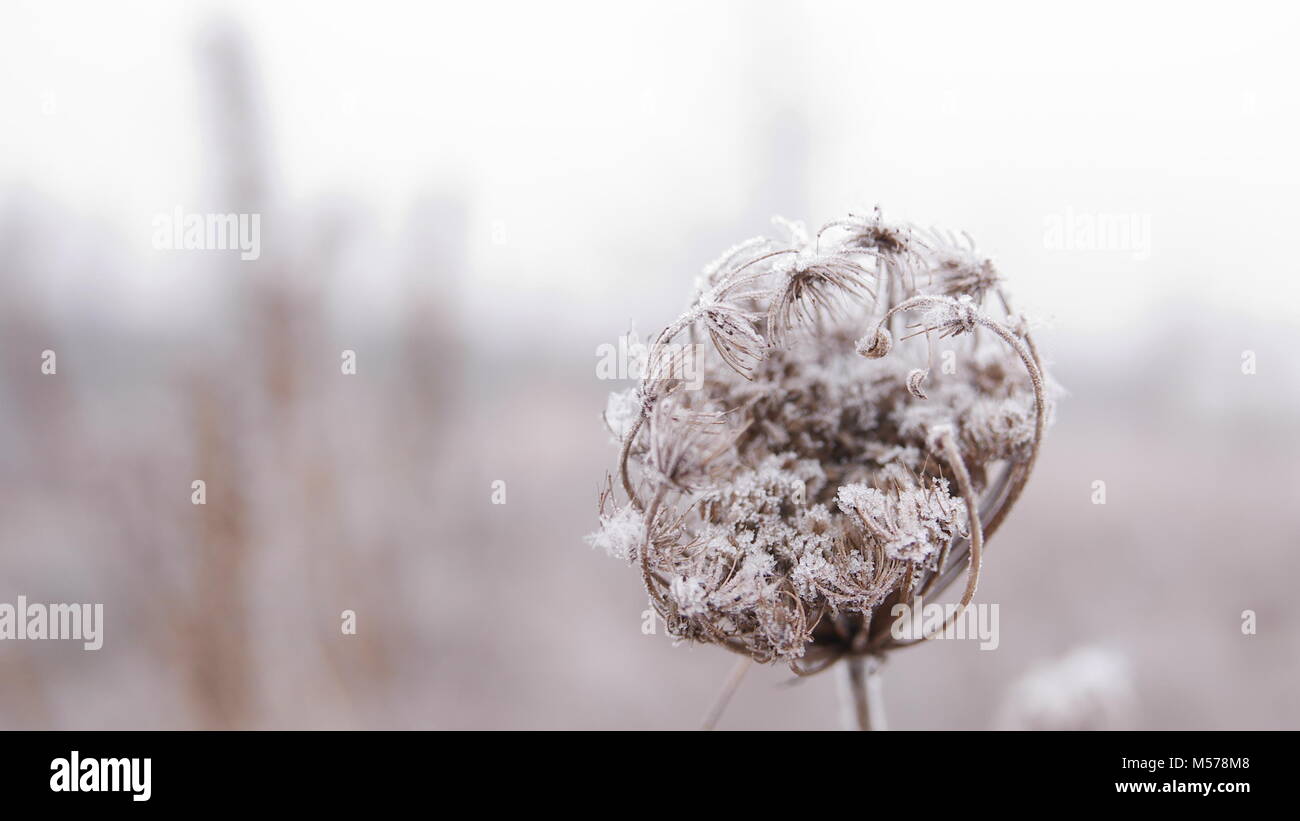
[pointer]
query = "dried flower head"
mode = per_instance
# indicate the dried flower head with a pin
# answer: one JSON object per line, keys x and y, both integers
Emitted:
{"x": 814, "y": 480}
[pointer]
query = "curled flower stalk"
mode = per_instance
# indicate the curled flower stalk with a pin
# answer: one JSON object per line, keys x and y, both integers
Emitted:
{"x": 862, "y": 422}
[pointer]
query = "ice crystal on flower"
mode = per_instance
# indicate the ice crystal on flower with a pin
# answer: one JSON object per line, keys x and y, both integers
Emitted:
{"x": 620, "y": 535}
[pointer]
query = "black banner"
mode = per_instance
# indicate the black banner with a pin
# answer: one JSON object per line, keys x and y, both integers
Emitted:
{"x": 144, "y": 771}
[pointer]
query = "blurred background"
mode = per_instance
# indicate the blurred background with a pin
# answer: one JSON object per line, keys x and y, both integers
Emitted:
{"x": 473, "y": 198}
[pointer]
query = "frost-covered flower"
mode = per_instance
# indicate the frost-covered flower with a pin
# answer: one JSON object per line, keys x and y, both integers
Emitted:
{"x": 826, "y": 467}
{"x": 958, "y": 269}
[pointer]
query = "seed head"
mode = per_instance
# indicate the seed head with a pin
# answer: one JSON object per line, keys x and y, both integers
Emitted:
{"x": 812, "y": 481}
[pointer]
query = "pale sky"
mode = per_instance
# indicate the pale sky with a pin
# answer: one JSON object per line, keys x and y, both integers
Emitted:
{"x": 608, "y": 137}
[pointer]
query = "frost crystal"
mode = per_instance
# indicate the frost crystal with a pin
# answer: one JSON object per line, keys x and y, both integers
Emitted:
{"x": 910, "y": 525}
{"x": 621, "y": 534}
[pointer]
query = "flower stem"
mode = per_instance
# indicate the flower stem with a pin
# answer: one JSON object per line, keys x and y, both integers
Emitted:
{"x": 728, "y": 690}
{"x": 862, "y": 700}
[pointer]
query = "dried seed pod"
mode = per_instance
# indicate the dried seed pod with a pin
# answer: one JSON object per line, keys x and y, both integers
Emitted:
{"x": 915, "y": 381}
{"x": 876, "y": 344}
{"x": 823, "y": 490}
{"x": 735, "y": 339}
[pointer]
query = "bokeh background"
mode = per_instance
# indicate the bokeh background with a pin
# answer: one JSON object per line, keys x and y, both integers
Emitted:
{"x": 473, "y": 198}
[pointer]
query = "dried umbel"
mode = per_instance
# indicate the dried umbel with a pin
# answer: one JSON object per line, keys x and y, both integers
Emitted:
{"x": 870, "y": 410}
